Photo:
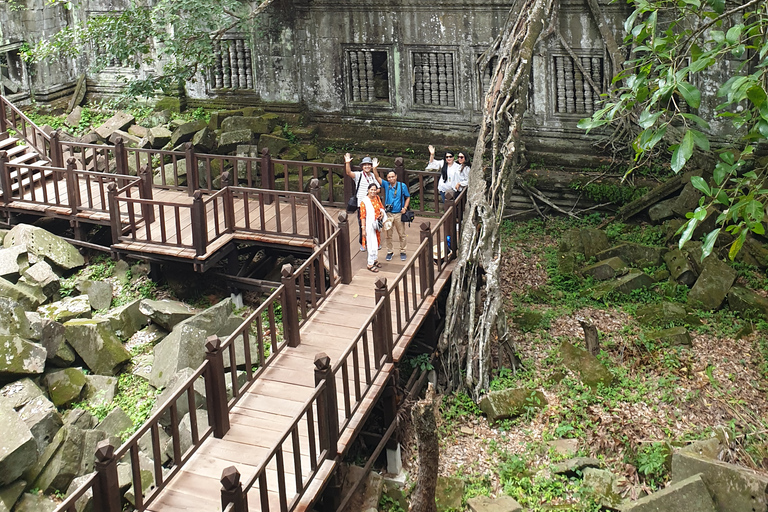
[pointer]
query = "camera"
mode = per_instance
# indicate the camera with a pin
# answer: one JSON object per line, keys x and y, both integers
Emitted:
{"x": 388, "y": 208}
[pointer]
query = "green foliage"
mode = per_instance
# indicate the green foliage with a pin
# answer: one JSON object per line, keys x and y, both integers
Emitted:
{"x": 651, "y": 463}
{"x": 288, "y": 134}
{"x": 610, "y": 192}
{"x": 641, "y": 234}
{"x": 420, "y": 362}
{"x": 457, "y": 407}
{"x": 657, "y": 88}
{"x": 389, "y": 504}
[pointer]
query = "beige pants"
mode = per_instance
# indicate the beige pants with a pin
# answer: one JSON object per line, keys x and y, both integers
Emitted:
{"x": 397, "y": 224}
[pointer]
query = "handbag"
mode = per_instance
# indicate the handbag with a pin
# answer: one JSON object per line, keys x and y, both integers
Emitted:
{"x": 408, "y": 217}
{"x": 352, "y": 205}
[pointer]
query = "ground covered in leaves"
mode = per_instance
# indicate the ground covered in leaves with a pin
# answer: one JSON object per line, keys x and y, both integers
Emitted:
{"x": 661, "y": 396}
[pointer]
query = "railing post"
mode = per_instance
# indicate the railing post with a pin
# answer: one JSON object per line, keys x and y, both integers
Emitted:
{"x": 327, "y": 408}
{"x": 5, "y": 175}
{"x": 192, "y": 172}
{"x": 382, "y": 329}
{"x": 3, "y": 122}
{"x": 229, "y": 203}
{"x": 216, "y": 388}
{"x": 145, "y": 192}
{"x": 400, "y": 170}
{"x": 427, "y": 270}
{"x": 450, "y": 205}
{"x": 267, "y": 174}
{"x": 106, "y": 490}
{"x": 345, "y": 257}
{"x": 121, "y": 157}
{"x": 290, "y": 307}
{"x": 232, "y": 490}
{"x": 313, "y": 218}
{"x": 55, "y": 149}
{"x": 199, "y": 224}
{"x": 73, "y": 191}
{"x": 114, "y": 212}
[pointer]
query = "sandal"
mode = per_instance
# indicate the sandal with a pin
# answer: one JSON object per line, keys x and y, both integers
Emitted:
{"x": 373, "y": 268}
{"x": 377, "y": 264}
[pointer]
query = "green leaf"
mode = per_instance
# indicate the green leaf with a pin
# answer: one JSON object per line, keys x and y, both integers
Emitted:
{"x": 734, "y": 34}
{"x": 647, "y": 119}
{"x": 756, "y": 95}
{"x": 727, "y": 157}
{"x": 683, "y": 152}
{"x": 721, "y": 169}
{"x": 690, "y": 93}
{"x": 758, "y": 228}
{"x": 738, "y": 51}
{"x": 762, "y": 127}
{"x": 696, "y": 119}
{"x": 717, "y": 5}
{"x": 700, "y": 185}
{"x": 687, "y": 232}
{"x": 736, "y": 247}
{"x": 701, "y": 140}
{"x": 717, "y": 35}
{"x": 701, "y": 64}
{"x": 709, "y": 242}
{"x": 700, "y": 213}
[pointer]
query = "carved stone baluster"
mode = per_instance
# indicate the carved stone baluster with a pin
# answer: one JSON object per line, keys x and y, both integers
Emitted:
{"x": 597, "y": 72}
{"x": 354, "y": 69}
{"x": 568, "y": 72}
{"x": 451, "y": 93}
{"x": 560, "y": 100}
{"x": 442, "y": 80}
{"x": 586, "y": 63}
{"x": 233, "y": 64}
{"x": 225, "y": 66}
{"x": 434, "y": 78}
{"x": 219, "y": 71}
{"x": 248, "y": 68}
{"x": 418, "y": 87}
{"x": 241, "y": 64}
{"x": 578, "y": 87}
{"x": 427, "y": 78}
{"x": 369, "y": 76}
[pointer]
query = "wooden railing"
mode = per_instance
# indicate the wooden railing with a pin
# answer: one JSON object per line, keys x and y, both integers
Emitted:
{"x": 235, "y": 351}
{"x": 13, "y": 118}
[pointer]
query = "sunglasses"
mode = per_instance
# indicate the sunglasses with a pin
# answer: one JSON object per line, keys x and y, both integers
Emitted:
{"x": 461, "y": 157}
{"x": 448, "y": 156}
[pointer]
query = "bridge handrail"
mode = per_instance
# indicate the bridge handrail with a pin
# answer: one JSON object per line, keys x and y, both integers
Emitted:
{"x": 42, "y": 146}
{"x": 317, "y": 274}
{"x": 316, "y": 455}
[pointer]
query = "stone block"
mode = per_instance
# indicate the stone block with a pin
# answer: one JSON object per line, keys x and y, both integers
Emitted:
{"x": 115, "y": 423}
{"x": 688, "y": 200}
{"x": 713, "y": 284}
{"x": 688, "y": 494}
{"x": 10, "y": 494}
{"x": 13, "y": 261}
{"x": 183, "y": 348}
{"x": 67, "y": 309}
{"x": 65, "y": 386}
{"x": 99, "y": 390}
{"x": 138, "y": 131}
{"x": 18, "y": 449}
{"x": 166, "y": 313}
{"x": 99, "y": 293}
{"x": 35, "y": 503}
{"x": 674, "y": 336}
{"x": 173, "y": 174}
{"x": 507, "y": 403}
{"x": 633, "y": 280}
{"x": 605, "y": 485}
{"x": 449, "y": 493}
{"x": 217, "y": 118}
{"x": 606, "y": 269}
{"x": 204, "y": 141}
{"x": 662, "y": 211}
{"x": 564, "y": 447}
{"x": 587, "y": 241}
{"x": 498, "y": 504}
{"x": 745, "y": 300}
{"x": 709, "y": 448}
{"x": 275, "y": 144}
{"x": 126, "y": 320}
{"x": 591, "y": 372}
{"x": 665, "y": 313}
{"x": 59, "y": 353}
{"x": 74, "y": 117}
{"x": 572, "y": 466}
{"x": 182, "y": 404}
{"x": 637, "y": 255}
{"x": 129, "y": 140}
{"x": 43, "y": 244}
{"x": 19, "y": 293}
{"x": 85, "y": 503}
{"x": 43, "y": 275}
{"x": 43, "y": 420}
{"x": 119, "y": 121}
{"x": 168, "y": 104}
{"x": 13, "y": 319}
{"x": 159, "y": 136}
{"x": 680, "y": 268}
{"x": 19, "y": 357}
{"x": 186, "y": 131}
{"x": 229, "y": 141}
{"x": 20, "y": 392}
{"x": 733, "y": 488}
{"x": 257, "y": 125}
{"x": 98, "y": 346}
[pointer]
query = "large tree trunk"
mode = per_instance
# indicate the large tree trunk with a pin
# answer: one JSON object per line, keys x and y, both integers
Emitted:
{"x": 425, "y": 425}
{"x": 475, "y": 297}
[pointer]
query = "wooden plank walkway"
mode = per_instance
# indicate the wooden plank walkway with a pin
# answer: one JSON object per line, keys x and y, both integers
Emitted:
{"x": 261, "y": 417}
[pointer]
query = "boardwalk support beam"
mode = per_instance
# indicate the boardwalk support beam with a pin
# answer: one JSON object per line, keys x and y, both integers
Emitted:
{"x": 199, "y": 224}
{"x": 215, "y": 387}
{"x": 106, "y": 490}
{"x": 121, "y": 157}
{"x": 345, "y": 257}
{"x": 191, "y": 161}
{"x": 232, "y": 490}
{"x": 72, "y": 187}
{"x": 450, "y": 204}
{"x": 267, "y": 174}
{"x": 327, "y": 408}
{"x": 145, "y": 192}
{"x": 5, "y": 177}
{"x": 114, "y": 212}
{"x": 290, "y": 306}
{"x": 57, "y": 159}
{"x": 382, "y": 325}
{"x": 426, "y": 268}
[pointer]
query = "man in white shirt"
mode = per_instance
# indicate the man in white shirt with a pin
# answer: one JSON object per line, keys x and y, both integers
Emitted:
{"x": 362, "y": 179}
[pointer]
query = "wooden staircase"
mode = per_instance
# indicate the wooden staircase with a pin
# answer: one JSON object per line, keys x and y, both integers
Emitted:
{"x": 25, "y": 162}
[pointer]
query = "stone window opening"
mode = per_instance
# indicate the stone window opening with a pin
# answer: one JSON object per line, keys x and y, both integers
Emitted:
{"x": 574, "y": 94}
{"x": 11, "y": 70}
{"x": 232, "y": 65}
{"x": 368, "y": 76}
{"x": 434, "y": 78}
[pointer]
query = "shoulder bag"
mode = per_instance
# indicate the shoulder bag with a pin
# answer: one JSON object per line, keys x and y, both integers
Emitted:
{"x": 352, "y": 203}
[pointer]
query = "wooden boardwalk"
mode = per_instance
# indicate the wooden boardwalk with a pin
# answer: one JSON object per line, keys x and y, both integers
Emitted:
{"x": 310, "y": 378}
{"x": 262, "y": 416}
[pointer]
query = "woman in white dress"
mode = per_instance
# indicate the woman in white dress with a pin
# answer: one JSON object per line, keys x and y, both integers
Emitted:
{"x": 371, "y": 212}
{"x": 449, "y": 171}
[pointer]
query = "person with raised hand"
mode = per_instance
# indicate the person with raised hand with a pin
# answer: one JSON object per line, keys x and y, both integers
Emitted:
{"x": 362, "y": 180}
